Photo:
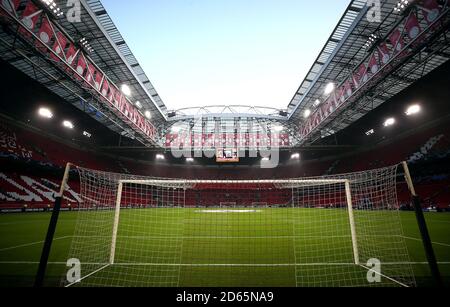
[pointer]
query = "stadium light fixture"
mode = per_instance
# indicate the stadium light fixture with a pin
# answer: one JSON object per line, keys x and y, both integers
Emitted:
{"x": 138, "y": 104}
{"x": 68, "y": 124}
{"x": 329, "y": 88}
{"x": 371, "y": 41}
{"x": 148, "y": 114}
{"x": 278, "y": 128}
{"x": 401, "y": 6}
{"x": 307, "y": 113}
{"x": 126, "y": 90}
{"x": 295, "y": 156}
{"x": 370, "y": 132}
{"x": 317, "y": 103}
{"x": 389, "y": 122}
{"x": 87, "y": 134}
{"x": 413, "y": 110}
{"x": 53, "y": 7}
{"x": 86, "y": 45}
{"x": 46, "y": 113}
{"x": 160, "y": 157}
{"x": 190, "y": 160}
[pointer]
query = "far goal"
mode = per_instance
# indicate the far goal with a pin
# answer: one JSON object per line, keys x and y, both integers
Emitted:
{"x": 229, "y": 204}
{"x": 309, "y": 232}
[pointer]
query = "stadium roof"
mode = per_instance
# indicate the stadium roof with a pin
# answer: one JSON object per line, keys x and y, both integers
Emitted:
{"x": 352, "y": 15}
{"x": 115, "y": 57}
{"x": 344, "y": 52}
{"x": 111, "y": 54}
{"x": 341, "y": 55}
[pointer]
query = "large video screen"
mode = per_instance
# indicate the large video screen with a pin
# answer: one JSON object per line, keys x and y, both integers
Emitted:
{"x": 227, "y": 155}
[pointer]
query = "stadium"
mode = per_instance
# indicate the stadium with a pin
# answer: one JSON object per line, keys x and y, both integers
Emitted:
{"x": 345, "y": 185}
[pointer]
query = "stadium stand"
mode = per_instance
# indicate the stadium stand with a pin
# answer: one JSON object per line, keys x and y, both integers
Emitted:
{"x": 36, "y": 149}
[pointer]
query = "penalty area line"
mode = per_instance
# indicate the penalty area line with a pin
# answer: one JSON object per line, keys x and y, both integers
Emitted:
{"x": 31, "y": 244}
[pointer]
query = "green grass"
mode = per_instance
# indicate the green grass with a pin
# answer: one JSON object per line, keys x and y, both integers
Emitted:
{"x": 271, "y": 247}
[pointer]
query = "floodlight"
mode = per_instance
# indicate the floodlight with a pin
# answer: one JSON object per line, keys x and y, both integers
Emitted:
{"x": 295, "y": 156}
{"x": 329, "y": 88}
{"x": 44, "y": 112}
{"x": 370, "y": 132}
{"x": 68, "y": 124}
{"x": 307, "y": 113}
{"x": 278, "y": 128}
{"x": 389, "y": 122}
{"x": 126, "y": 90}
{"x": 413, "y": 110}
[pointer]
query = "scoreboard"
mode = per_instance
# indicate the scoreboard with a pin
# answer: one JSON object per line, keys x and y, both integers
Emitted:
{"x": 227, "y": 155}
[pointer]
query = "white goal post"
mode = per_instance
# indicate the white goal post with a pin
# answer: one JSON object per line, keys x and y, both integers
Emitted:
{"x": 308, "y": 232}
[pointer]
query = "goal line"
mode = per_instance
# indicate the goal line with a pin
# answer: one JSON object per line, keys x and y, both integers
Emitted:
{"x": 253, "y": 265}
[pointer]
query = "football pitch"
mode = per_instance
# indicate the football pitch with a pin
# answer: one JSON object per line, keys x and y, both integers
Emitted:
{"x": 265, "y": 247}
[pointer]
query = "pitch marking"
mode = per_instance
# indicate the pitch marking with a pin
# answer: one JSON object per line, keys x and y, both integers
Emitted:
{"x": 31, "y": 244}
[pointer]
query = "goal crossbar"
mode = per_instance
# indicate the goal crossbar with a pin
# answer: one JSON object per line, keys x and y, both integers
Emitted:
{"x": 275, "y": 182}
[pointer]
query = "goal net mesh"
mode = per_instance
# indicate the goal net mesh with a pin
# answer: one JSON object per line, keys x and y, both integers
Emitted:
{"x": 312, "y": 232}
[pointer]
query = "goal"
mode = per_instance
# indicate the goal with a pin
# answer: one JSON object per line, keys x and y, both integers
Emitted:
{"x": 329, "y": 231}
{"x": 228, "y": 204}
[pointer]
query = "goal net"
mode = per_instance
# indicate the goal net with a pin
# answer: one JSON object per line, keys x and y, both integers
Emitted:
{"x": 329, "y": 231}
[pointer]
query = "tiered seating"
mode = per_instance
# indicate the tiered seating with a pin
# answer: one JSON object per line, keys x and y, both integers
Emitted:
{"x": 19, "y": 191}
{"x": 426, "y": 149}
{"x": 16, "y": 191}
{"x": 441, "y": 148}
{"x": 29, "y": 145}
{"x": 414, "y": 148}
{"x": 241, "y": 197}
{"x": 45, "y": 150}
{"x": 13, "y": 144}
{"x": 436, "y": 195}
